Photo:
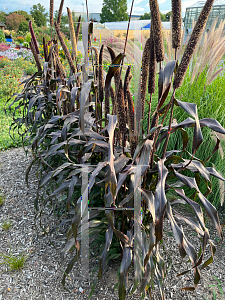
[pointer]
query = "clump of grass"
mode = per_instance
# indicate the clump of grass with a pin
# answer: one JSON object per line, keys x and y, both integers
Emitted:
{"x": 14, "y": 262}
{"x": 2, "y": 200}
{"x": 6, "y": 225}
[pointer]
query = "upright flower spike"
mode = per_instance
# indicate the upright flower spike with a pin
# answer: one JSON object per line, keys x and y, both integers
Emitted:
{"x": 33, "y": 37}
{"x": 152, "y": 65}
{"x": 33, "y": 50}
{"x": 157, "y": 28}
{"x": 66, "y": 51}
{"x": 51, "y": 12}
{"x": 72, "y": 34}
{"x": 60, "y": 13}
{"x": 176, "y": 23}
{"x": 196, "y": 33}
{"x": 100, "y": 77}
{"x": 144, "y": 73}
{"x": 78, "y": 28}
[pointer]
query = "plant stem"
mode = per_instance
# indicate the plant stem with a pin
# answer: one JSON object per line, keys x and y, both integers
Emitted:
{"x": 169, "y": 127}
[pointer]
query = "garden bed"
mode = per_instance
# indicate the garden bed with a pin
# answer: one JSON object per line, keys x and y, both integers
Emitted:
{"x": 42, "y": 273}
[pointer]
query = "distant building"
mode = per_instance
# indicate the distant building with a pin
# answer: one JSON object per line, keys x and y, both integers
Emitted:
{"x": 96, "y": 16}
{"x": 193, "y": 12}
{"x": 2, "y": 26}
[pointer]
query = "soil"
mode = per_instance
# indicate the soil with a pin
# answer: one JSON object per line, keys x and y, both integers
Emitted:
{"x": 41, "y": 276}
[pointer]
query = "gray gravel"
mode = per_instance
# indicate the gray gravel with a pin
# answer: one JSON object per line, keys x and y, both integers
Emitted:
{"x": 42, "y": 273}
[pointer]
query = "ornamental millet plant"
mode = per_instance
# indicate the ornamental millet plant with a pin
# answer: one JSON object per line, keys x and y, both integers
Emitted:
{"x": 74, "y": 123}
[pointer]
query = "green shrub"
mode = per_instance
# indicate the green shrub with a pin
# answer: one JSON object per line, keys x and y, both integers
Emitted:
{"x": 2, "y": 36}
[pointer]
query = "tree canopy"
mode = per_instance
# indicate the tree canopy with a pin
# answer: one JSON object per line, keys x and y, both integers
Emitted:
{"x": 39, "y": 14}
{"x": 164, "y": 17}
{"x": 114, "y": 10}
{"x": 2, "y": 16}
{"x": 13, "y": 21}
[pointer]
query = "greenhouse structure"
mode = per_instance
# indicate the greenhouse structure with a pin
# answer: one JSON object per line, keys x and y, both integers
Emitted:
{"x": 193, "y": 11}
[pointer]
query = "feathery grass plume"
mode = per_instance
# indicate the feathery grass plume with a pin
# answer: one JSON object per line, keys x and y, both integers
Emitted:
{"x": 186, "y": 58}
{"x": 144, "y": 73}
{"x": 78, "y": 28}
{"x": 96, "y": 61}
{"x": 33, "y": 38}
{"x": 62, "y": 73}
{"x": 51, "y": 12}
{"x": 100, "y": 78}
{"x": 152, "y": 65}
{"x": 38, "y": 64}
{"x": 60, "y": 13}
{"x": 121, "y": 113}
{"x": 157, "y": 28}
{"x": 45, "y": 47}
{"x": 65, "y": 49}
{"x": 72, "y": 34}
{"x": 130, "y": 111}
{"x": 56, "y": 49}
{"x": 176, "y": 23}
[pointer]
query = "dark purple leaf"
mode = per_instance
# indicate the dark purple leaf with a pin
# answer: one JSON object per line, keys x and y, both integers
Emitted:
{"x": 160, "y": 200}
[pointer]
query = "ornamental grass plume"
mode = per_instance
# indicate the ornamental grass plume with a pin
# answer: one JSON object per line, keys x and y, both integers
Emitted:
{"x": 61, "y": 70}
{"x": 151, "y": 73}
{"x": 130, "y": 111}
{"x": 38, "y": 64}
{"x": 144, "y": 73}
{"x": 157, "y": 28}
{"x": 100, "y": 78}
{"x": 176, "y": 23}
{"x": 51, "y": 12}
{"x": 33, "y": 38}
{"x": 65, "y": 49}
{"x": 60, "y": 13}
{"x": 121, "y": 112}
{"x": 186, "y": 58}
{"x": 72, "y": 34}
{"x": 78, "y": 28}
{"x": 45, "y": 48}
{"x": 96, "y": 62}
{"x": 152, "y": 65}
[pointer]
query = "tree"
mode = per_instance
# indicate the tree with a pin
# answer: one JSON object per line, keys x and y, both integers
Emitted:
{"x": 2, "y": 16}
{"x": 163, "y": 17}
{"x": 145, "y": 16}
{"x": 39, "y": 14}
{"x": 114, "y": 10}
{"x": 168, "y": 15}
{"x": 13, "y": 21}
{"x": 24, "y": 27}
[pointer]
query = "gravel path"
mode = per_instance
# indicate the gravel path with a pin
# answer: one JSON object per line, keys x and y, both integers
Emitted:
{"x": 42, "y": 274}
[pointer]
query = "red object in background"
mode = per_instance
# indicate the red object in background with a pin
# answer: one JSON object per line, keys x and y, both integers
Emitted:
{"x": 95, "y": 39}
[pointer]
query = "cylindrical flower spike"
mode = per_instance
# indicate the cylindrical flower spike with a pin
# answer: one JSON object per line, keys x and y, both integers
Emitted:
{"x": 152, "y": 65}
{"x": 66, "y": 51}
{"x": 186, "y": 58}
{"x": 72, "y": 34}
{"x": 33, "y": 37}
{"x": 144, "y": 73}
{"x": 157, "y": 27}
{"x": 33, "y": 50}
{"x": 60, "y": 13}
{"x": 78, "y": 28}
{"x": 100, "y": 78}
{"x": 51, "y": 12}
{"x": 176, "y": 23}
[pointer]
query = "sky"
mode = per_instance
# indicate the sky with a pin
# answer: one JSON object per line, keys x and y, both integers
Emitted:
{"x": 140, "y": 6}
